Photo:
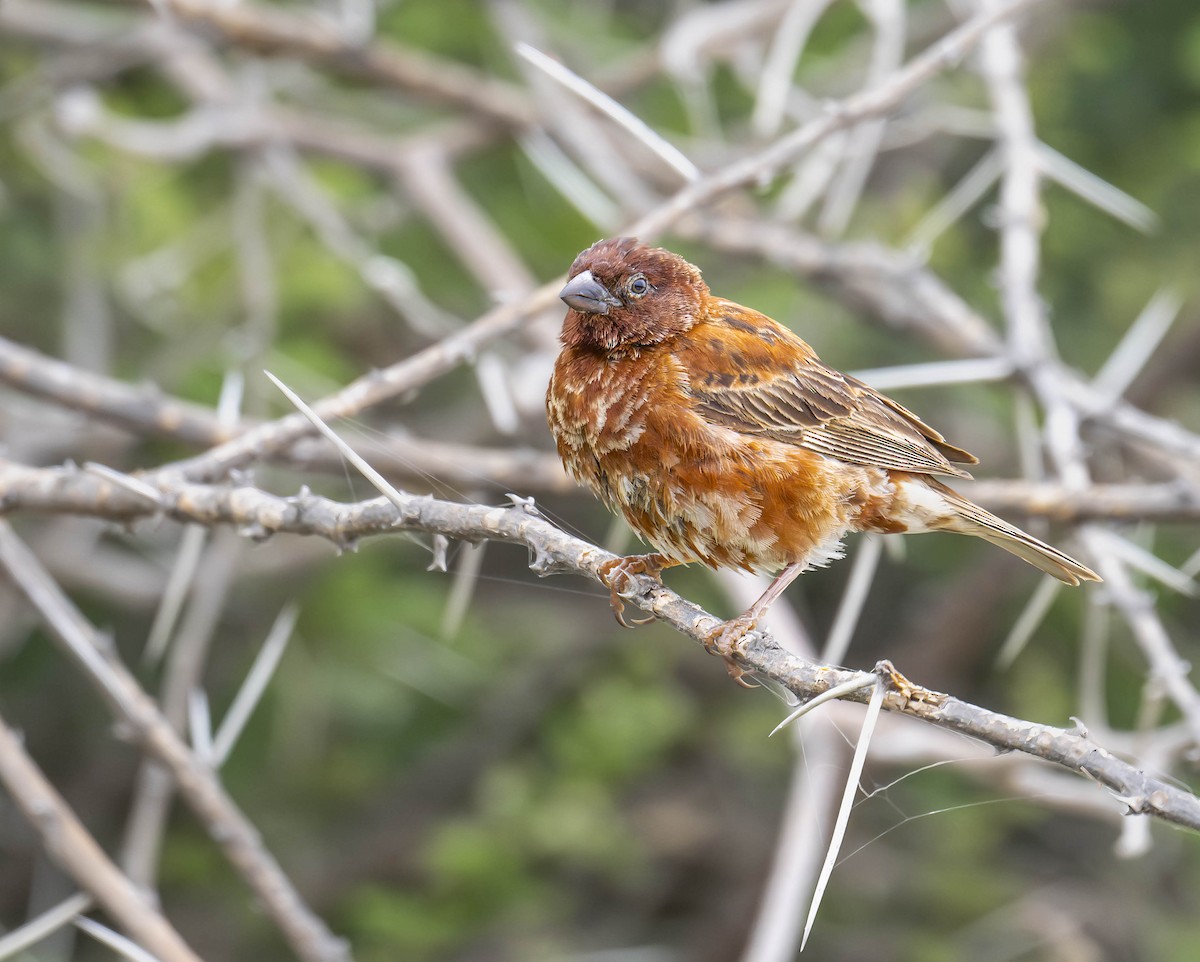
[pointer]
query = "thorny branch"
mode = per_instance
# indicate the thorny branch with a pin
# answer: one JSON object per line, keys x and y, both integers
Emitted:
{"x": 556, "y": 552}
{"x": 198, "y": 784}
{"x": 68, "y": 843}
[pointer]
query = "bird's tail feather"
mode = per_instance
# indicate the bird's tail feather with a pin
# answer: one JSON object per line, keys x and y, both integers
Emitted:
{"x": 974, "y": 520}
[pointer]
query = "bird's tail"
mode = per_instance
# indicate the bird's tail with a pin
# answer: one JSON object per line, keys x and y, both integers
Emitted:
{"x": 971, "y": 519}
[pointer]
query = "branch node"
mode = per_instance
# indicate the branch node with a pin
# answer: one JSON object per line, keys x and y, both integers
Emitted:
{"x": 255, "y": 531}
{"x": 440, "y": 545}
{"x": 908, "y": 691}
{"x": 526, "y": 505}
{"x": 128, "y": 483}
{"x": 544, "y": 563}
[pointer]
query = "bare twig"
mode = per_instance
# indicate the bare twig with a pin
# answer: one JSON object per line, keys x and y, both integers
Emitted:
{"x": 868, "y": 104}
{"x": 259, "y": 514}
{"x": 149, "y": 412}
{"x": 667, "y": 152}
{"x": 44, "y": 925}
{"x": 1031, "y": 342}
{"x": 273, "y": 32}
{"x": 73, "y": 848}
{"x": 212, "y": 576}
{"x": 204, "y": 794}
{"x": 257, "y": 678}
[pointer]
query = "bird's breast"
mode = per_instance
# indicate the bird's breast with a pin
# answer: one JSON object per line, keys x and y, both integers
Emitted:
{"x": 596, "y": 406}
{"x": 630, "y": 431}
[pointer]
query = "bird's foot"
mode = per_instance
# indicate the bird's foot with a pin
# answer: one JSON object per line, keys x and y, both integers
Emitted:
{"x": 726, "y": 641}
{"x": 617, "y": 575}
{"x": 909, "y": 691}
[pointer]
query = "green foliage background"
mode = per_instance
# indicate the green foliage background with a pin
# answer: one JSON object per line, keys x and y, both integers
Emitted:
{"x": 538, "y": 784}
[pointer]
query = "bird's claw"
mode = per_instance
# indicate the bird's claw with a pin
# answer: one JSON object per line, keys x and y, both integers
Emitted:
{"x": 616, "y": 574}
{"x": 908, "y": 691}
{"x": 725, "y": 641}
{"x": 619, "y": 614}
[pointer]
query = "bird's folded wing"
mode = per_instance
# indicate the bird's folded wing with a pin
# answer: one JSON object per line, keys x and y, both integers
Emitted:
{"x": 781, "y": 390}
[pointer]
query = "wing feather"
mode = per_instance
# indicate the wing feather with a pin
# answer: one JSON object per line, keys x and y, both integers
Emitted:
{"x": 738, "y": 381}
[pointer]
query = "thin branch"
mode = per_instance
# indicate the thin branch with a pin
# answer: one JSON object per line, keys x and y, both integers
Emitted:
{"x": 1167, "y": 667}
{"x": 200, "y": 788}
{"x": 888, "y": 20}
{"x": 179, "y": 581}
{"x": 1103, "y": 195}
{"x": 44, "y": 925}
{"x": 144, "y": 410}
{"x": 775, "y": 80}
{"x": 1028, "y": 621}
{"x": 479, "y": 244}
{"x": 866, "y": 105}
{"x": 257, "y": 679}
{"x": 667, "y": 152}
{"x": 151, "y": 804}
{"x": 556, "y": 552}
{"x": 260, "y": 514}
{"x": 899, "y": 291}
{"x": 958, "y": 200}
{"x": 73, "y": 849}
{"x": 114, "y": 940}
{"x": 149, "y": 412}
{"x": 853, "y": 600}
{"x": 273, "y": 32}
{"x": 1167, "y": 501}
{"x": 796, "y": 856}
{"x": 1141, "y": 340}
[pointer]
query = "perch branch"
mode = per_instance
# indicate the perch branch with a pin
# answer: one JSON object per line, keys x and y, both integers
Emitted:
{"x": 556, "y": 552}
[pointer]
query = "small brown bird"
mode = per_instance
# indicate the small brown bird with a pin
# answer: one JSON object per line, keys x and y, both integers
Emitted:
{"x": 723, "y": 438}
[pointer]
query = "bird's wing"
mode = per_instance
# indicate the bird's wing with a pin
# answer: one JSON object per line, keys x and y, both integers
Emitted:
{"x": 748, "y": 373}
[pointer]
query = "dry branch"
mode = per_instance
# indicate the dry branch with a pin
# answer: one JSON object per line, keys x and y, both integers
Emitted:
{"x": 555, "y": 552}
{"x": 69, "y": 844}
{"x": 151, "y": 731}
{"x": 272, "y": 32}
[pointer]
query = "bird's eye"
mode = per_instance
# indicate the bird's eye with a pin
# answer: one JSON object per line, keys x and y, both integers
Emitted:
{"x": 639, "y": 286}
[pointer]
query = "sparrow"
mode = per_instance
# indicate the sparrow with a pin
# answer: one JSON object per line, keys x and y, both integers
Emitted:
{"x": 723, "y": 438}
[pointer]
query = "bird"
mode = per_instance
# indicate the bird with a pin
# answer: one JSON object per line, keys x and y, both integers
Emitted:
{"x": 722, "y": 437}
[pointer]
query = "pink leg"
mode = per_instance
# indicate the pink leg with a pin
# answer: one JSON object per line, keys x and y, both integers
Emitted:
{"x": 774, "y": 590}
{"x": 724, "y": 640}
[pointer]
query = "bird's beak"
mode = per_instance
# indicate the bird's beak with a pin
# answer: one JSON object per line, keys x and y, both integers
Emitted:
{"x": 587, "y": 295}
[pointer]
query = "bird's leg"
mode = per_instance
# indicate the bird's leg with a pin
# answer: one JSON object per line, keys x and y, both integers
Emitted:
{"x": 724, "y": 641}
{"x": 616, "y": 574}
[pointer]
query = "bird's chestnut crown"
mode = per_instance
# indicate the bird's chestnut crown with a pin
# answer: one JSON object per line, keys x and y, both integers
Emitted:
{"x": 624, "y": 295}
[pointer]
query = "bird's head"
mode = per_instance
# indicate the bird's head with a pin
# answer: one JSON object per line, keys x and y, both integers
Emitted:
{"x": 623, "y": 294}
